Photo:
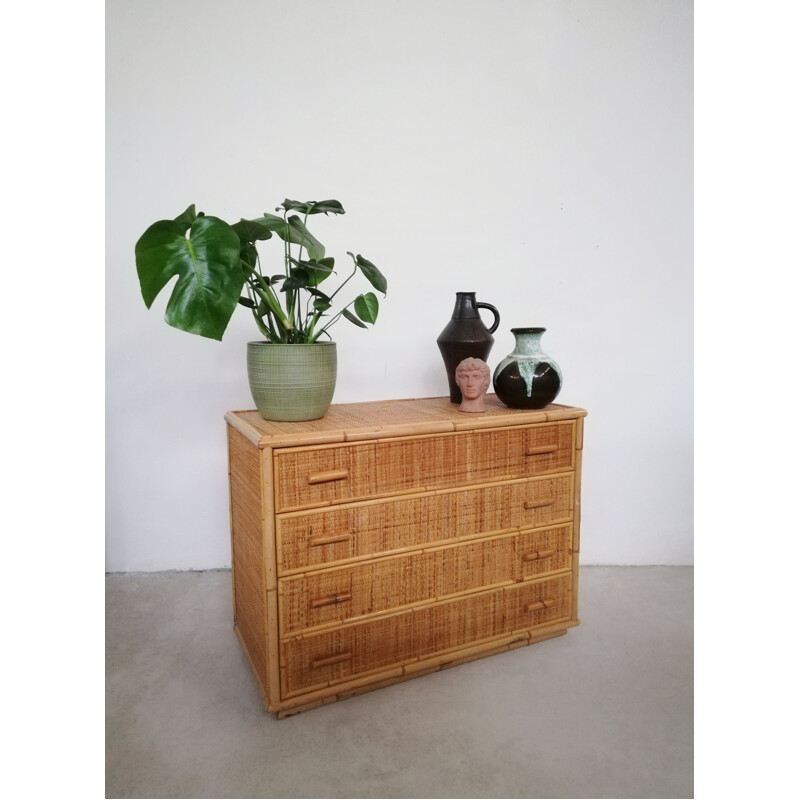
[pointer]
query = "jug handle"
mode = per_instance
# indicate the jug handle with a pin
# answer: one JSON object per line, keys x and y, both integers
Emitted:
{"x": 494, "y": 311}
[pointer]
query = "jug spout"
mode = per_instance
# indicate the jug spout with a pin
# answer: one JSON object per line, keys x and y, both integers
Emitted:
{"x": 466, "y": 306}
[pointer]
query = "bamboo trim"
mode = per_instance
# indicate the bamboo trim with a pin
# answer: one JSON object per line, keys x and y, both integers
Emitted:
{"x": 576, "y": 540}
{"x": 273, "y": 650}
{"x": 320, "y": 541}
{"x": 270, "y": 561}
{"x": 565, "y": 412}
{"x": 291, "y": 712}
{"x": 537, "y": 555}
{"x": 529, "y": 505}
{"x": 575, "y": 573}
{"x": 468, "y": 657}
{"x": 268, "y": 520}
{"x": 484, "y": 423}
{"x": 287, "y": 440}
{"x": 230, "y": 517}
{"x": 539, "y": 605}
{"x": 331, "y": 600}
{"x": 420, "y": 429}
{"x": 328, "y": 477}
{"x": 234, "y": 419}
{"x": 579, "y": 434}
{"x": 541, "y": 451}
{"x": 390, "y": 435}
{"x": 326, "y": 505}
{"x": 576, "y": 508}
{"x": 338, "y": 658}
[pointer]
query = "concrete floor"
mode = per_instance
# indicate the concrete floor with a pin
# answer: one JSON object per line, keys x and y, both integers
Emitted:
{"x": 605, "y": 711}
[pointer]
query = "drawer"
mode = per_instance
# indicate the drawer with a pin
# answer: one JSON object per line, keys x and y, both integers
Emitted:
{"x": 306, "y": 477}
{"x": 334, "y": 656}
{"x": 334, "y": 596}
{"x": 341, "y": 533}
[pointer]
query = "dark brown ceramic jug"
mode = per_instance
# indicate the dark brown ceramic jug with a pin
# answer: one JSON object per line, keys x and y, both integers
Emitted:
{"x": 465, "y": 336}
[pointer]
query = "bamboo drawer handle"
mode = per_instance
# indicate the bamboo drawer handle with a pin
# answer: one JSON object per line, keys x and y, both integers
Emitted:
{"x": 327, "y": 477}
{"x": 318, "y": 541}
{"x": 537, "y": 555}
{"x": 529, "y": 504}
{"x": 539, "y": 605}
{"x": 326, "y": 662}
{"x": 541, "y": 450}
{"x": 331, "y": 600}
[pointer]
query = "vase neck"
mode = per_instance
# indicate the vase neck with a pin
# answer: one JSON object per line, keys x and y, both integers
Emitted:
{"x": 465, "y": 307}
{"x": 528, "y": 341}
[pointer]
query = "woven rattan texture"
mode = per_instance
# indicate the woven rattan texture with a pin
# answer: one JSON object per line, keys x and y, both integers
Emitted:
{"x": 372, "y": 528}
{"x": 420, "y": 632}
{"x": 382, "y": 468}
{"x": 353, "y": 421}
{"x": 392, "y": 583}
{"x": 247, "y": 548}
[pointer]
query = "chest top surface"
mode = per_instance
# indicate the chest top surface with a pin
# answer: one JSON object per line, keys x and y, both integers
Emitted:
{"x": 347, "y": 422}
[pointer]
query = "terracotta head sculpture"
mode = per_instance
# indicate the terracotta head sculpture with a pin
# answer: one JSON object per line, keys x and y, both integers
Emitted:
{"x": 473, "y": 378}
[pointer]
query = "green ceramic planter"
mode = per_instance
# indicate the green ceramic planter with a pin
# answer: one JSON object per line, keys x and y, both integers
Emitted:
{"x": 292, "y": 382}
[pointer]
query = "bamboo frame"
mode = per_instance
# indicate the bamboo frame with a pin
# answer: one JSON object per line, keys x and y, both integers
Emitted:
{"x": 336, "y": 671}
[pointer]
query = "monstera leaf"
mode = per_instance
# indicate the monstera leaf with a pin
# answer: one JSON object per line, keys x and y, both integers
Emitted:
{"x": 371, "y": 272}
{"x": 314, "y": 206}
{"x": 210, "y": 276}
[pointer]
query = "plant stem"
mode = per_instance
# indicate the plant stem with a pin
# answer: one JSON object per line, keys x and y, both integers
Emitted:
{"x": 302, "y": 322}
{"x": 263, "y": 328}
{"x": 263, "y": 290}
{"x": 287, "y": 260}
{"x": 333, "y": 319}
{"x": 355, "y": 269}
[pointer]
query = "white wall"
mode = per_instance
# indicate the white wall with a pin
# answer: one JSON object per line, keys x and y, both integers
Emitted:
{"x": 534, "y": 151}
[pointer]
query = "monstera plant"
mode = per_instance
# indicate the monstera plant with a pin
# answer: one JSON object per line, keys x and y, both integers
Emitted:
{"x": 218, "y": 267}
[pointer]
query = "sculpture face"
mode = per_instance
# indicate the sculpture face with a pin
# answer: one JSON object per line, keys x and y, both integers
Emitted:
{"x": 472, "y": 383}
{"x": 473, "y": 378}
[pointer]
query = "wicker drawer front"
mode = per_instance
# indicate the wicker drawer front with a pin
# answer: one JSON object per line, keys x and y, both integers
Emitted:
{"x": 341, "y": 533}
{"x": 458, "y": 623}
{"x": 335, "y": 656}
{"x": 319, "y": 476}
{"x": 338, "y": 595}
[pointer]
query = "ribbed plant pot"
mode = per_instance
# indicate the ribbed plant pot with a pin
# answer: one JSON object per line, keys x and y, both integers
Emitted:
{"x": 291, "y": 382}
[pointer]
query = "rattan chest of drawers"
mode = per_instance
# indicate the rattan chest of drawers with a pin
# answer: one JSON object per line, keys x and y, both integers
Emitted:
{"x": 392, "y": 539}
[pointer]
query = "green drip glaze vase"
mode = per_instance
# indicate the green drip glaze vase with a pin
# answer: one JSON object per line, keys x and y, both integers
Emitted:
{"x": 527, "y": 377}
{"x": 291, "y": 382}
